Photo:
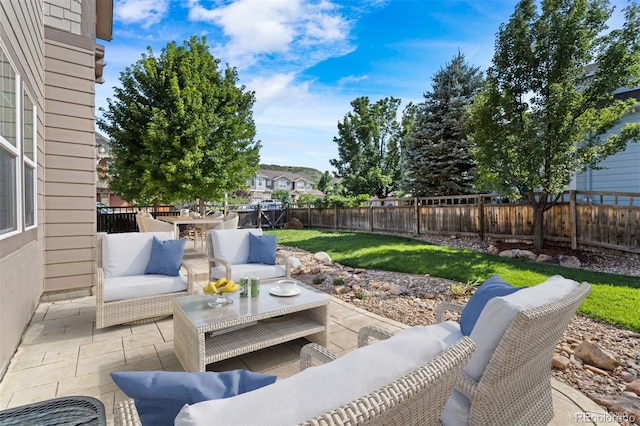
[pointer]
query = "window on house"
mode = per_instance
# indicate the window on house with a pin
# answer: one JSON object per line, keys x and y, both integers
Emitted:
{"x": 9, "y": 147}
{"x": 260, "y": 182}
{"x": 283, "y": 184}
{"x": 29, "y": 147}
{"x": 18, "y": 162}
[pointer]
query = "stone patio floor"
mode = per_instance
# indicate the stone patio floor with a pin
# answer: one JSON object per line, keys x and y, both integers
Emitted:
{"x": 62, "y": 354}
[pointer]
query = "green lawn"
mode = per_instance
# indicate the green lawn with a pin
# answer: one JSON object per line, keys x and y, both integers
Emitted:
{"x": 614, "y": 299}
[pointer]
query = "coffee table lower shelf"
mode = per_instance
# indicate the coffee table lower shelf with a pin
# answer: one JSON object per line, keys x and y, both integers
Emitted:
{"x": 196, "y": 351}
{"x": 262, "y": 335}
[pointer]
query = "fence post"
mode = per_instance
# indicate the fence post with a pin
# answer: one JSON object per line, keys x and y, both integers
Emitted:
{"x": 573, "y": 218}
{"x": 308, "y": 215}
{"x": 416, "y": 214}
{"x": 481, "y": 217}
{"x": 370, "y": 216}
{"x": 335, "y": 218}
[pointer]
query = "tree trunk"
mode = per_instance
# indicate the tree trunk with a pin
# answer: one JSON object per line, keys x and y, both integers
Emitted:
{"x": 201, "y": 207}
{"x": 538, "y": 226}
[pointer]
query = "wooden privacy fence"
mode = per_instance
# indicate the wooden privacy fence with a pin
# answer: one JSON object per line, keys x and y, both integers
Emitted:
{"x": 581, "y": 219}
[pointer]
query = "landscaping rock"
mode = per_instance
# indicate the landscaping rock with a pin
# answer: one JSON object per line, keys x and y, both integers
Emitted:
{"x": 634, "y": 387}
{"x": 627, "y": 377}
{"x": 294, "y": 262}
{"x": 560, "y": 362}
{"x": 544, "y": 258}
{"x": 594, "y": 355}
{"x": 398, "y": 290}
{"x": 340, "y": 289}
{"x": 323, "y": 257}
{"x": 569, "y": 261}
{"x": 619, "y": 404}
{"x": 294, "y": 224}
{"x": 492, "y": 249}
{"x": 527, "y": 255}
{"x": 509, "y": 253}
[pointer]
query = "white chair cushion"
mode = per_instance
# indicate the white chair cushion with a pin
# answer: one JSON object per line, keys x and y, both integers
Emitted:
{"x": 128, "y": 253}
{"x": 132, "y": 287}
{"x": 232, "y": 245}
{"x": 317, "y": 390}
{"x": 264, "y": 272}
{"x": 456, "y": 411}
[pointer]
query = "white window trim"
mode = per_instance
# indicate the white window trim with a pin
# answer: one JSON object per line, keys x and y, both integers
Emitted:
{"x": 21, "y": 160}
{"x": 33, "y": 163}
{"x": 283, "y": 184}
{"x": 15, "y": 150}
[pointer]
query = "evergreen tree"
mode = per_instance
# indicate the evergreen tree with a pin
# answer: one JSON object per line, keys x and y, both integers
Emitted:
{"x": 437, "y": 158}
{"x": 325, "y": 183}
{"x": 180, "y": 128}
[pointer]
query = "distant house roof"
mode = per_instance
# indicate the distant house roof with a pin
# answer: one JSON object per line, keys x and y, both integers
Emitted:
{"x": 277, "y": 174}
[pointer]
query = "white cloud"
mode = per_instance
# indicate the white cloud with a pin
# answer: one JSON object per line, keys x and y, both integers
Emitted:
{"x": 300, "y": 32}
{"x": 279, "y": 88}
{"x": 352, "y": 79}
{"x": 146, "y": 12}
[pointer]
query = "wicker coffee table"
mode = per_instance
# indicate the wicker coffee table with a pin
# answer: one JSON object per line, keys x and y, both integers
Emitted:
{"x": 246, "y": 325}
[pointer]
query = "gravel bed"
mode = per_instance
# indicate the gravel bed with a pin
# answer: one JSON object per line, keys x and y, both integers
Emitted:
{"x": 411, "y": 299}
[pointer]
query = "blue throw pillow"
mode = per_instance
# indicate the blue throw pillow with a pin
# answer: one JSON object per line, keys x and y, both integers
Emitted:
{"x": 262, "y": 249}
{"x": 160, "y": 395}
{"x": 166, "y": 257}
{"x": 493, "y": 287}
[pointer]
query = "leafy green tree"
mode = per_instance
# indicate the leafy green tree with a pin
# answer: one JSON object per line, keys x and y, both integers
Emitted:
{"x": 325, "y": 184}
{"x": 180, "y": 128}
{"x": 369, "y": 147}
{"x": 437, "y": 157}
{"x": 281, "y": 195}
{"x": 548, "y": 101}
{"x": 307, "y": 199}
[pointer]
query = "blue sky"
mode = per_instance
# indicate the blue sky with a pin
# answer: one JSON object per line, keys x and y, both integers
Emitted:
{"x": 307, "y": 60}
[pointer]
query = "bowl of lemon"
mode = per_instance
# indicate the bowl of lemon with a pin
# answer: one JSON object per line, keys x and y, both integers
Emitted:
{"x": 220, "y": 291}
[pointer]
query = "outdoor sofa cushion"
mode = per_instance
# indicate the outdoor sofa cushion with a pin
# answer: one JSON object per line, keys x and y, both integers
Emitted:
{"x": 129, "y": 253}
{"x": 135, "y": 286}
{"x": 317, "y": 390}
{"x": 166, "y": 257}
{"x": 489, "y": 329}
{"x": 126, "y": 257}
{"x": 262, "y": 249}
{"x": 159, "y": 395}
{"x": 233, "y": 245}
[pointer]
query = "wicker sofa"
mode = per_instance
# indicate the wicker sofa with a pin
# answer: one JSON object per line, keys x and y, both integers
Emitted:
{"x": 134, "y": 249}
{"x": 415, "y": 397}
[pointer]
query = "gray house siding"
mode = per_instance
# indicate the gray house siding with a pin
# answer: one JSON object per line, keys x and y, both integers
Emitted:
{"x": 619, "y": 172}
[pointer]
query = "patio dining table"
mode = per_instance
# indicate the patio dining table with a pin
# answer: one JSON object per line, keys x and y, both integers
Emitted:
{"x": 201, "y": 222}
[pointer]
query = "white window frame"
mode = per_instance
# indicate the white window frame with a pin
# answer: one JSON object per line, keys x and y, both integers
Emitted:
{"x": 21, "y": 161}
{"x": 260, "y": 182}
{"x": 31, "y": 163}
{"x": 283, "y": 184}
{"x": 15, "y": 150}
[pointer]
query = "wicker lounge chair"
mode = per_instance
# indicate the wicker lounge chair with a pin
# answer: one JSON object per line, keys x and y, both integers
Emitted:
{"x": 416, "y": 398}
{"x": 135, "y": 310}
{"x": 228, "y": 251}
{"x": 515, "y": 387}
